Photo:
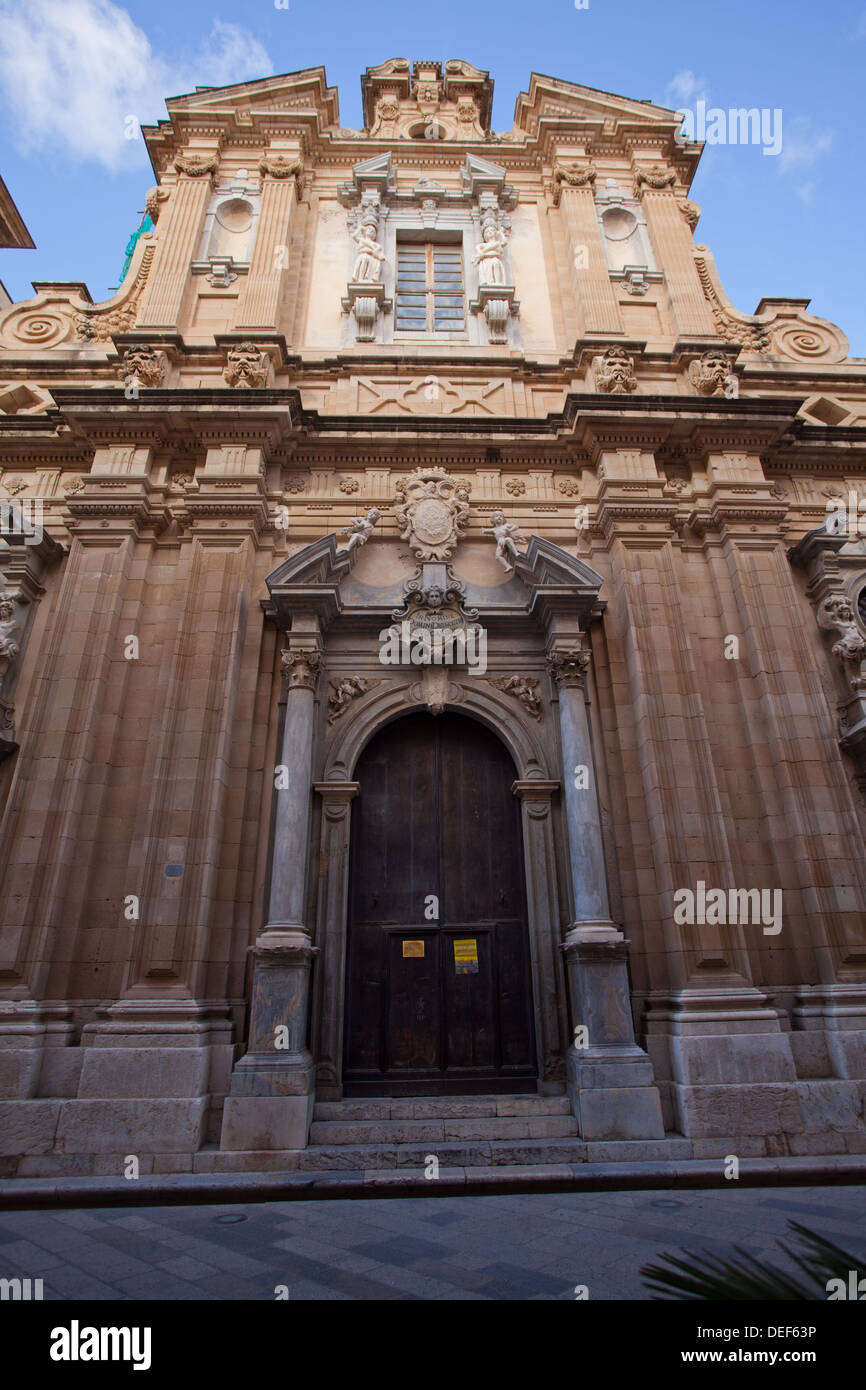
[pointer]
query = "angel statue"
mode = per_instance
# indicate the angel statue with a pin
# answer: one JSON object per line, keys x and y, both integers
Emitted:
{"x": 370, "y": 254}
{"x": 488, "y": 257}
{"x": 360, "y": 528}
{"x": 507, "y": 537}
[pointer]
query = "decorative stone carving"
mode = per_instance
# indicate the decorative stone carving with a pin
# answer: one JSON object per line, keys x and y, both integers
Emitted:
{"x": 301, "y": 665}
{"x": 527, "y": 691}
{"x": 365, "y": 293}
{"x": 711, "y": 373}
{"x": 181, "y": 482}
{"x": 730, "y": 325}
{"x": 370, "y": 254}
{"x": 691, "y": 211}
{"x": 9, "y": 631}
{"x": 14, "y": 485}
{"x": 360, "y": 528}
{"x": 76, "y": 485}
{"x": 836, "y": 614}
{"x": 142, "y": 364}
{"x": 341, "y": 693}
{"x": 655, "y": 178}
{"x": 99, "y": 322}
{"x": 573, "y": 175}
{"x": 508, "y": 537}
{"x": 196, "y": 166}
{"x": 569, "y": 487}
{"x": 488, "y": 256}
{"x": 431, "y": 513}
{"x": 295, "y": 484}
{"x": 349, "y": 485}
{"x": 569, "y": 666}
{"x": 246, "y": 365}
{"x": 614, "y": 372}
{"x": 153, "y": 199}
{"x": 279, "y": 167}
{"x": 467, "y": 111}
{"x": 516, "y": 487}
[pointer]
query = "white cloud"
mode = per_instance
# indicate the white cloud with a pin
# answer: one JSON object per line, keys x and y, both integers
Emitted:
{"x": 802, "y": 145}
{"x": 73, "y": 71}
{"x": 684, "y": 89}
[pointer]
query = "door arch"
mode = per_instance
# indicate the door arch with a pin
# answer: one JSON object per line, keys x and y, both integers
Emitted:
{"x": 438, "y": 980}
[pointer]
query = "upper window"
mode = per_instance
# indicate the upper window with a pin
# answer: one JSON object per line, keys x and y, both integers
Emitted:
{"x": 429, "y": 288}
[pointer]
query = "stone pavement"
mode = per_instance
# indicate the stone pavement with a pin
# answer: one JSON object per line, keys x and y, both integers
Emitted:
{"x": 527, "y": 1246}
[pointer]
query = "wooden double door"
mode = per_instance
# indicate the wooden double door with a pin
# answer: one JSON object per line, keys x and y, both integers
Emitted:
{"x": 439, "y": 993}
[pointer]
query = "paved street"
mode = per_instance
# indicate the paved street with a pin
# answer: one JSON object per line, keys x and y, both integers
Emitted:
{"x": 510, "y": 1247}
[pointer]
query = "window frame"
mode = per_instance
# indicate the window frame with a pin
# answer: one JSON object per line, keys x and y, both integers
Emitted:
{"x": 431, "y": 246}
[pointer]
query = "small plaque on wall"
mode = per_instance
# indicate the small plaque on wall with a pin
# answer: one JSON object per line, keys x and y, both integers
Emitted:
{"x": 413, "y": 948}
{"x": 466, "y": 957}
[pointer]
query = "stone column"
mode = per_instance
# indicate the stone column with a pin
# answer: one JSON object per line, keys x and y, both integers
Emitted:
{"x": 610, "y": 1078}
{"x": 591, "y": 906}
{"x": 272, "y": 1090}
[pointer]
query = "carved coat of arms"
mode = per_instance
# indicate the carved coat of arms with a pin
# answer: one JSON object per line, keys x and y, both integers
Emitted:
{"x": 432, "y": 511}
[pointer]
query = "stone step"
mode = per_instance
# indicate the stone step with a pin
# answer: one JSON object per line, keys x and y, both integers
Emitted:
{"x": 440, "y": 1108}
{"x": 453, "y": 1154}
{"x": 438, "y": 1130}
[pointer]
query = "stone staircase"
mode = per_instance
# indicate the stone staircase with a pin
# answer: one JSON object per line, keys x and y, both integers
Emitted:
{"x": 465, "y": 1131}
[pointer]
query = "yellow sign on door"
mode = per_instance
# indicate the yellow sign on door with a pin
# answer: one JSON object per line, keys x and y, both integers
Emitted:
{"x": 466, "y": 957}
{"x": 413, "y": 948}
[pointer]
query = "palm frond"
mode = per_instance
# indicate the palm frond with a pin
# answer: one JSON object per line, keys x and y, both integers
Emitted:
{"x": 703, "y": 1275}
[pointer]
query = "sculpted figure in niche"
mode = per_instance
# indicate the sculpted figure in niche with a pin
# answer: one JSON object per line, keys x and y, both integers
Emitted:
{"x": 488, "y": 257}
{"x": 9, "y": 648}
{"x": 507, "y": 538}
{"x": 360, "y": 528}
{"x": 836, "y": 614}
{"x": 370, "y": 255}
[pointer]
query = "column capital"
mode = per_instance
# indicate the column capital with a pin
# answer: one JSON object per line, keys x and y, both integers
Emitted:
{"x": 301, "y": 667}
{"x": 569, "y": 666}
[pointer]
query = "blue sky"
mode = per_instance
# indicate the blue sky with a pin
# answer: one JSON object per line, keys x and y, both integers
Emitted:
{"x": 72, "y": 71}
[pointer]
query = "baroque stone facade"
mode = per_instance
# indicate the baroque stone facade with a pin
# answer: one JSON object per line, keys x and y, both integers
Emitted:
{"x": 427, "y": 378}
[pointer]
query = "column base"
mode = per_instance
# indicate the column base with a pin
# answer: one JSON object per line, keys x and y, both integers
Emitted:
{"x": 271, "y": 1103}
{"x": 723, "y": 1062}
{"x": 613, "y": 1094}
{"x": 828, "y": 1034}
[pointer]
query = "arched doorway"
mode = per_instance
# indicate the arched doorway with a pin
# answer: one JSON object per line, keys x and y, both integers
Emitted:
{"x": 438, "y": 992}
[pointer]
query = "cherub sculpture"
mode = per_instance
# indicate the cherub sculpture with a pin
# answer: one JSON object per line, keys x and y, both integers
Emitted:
{"x": 360, "y": 528}
{"x": 507, "y": 538}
